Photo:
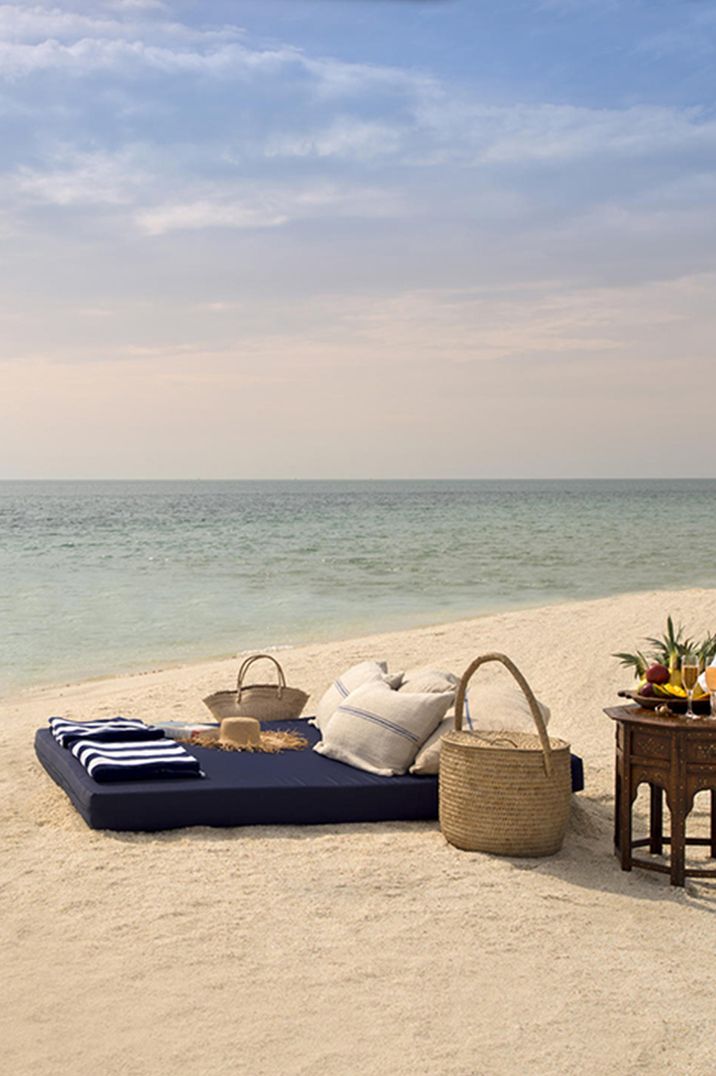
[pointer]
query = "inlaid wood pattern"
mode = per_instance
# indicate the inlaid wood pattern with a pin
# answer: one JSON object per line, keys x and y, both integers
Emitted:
{"x": 651, "y": 745}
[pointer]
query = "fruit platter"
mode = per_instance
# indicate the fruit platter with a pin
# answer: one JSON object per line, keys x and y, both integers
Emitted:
{"x": 658, "y": 667}
{"x": 676, "y": 704}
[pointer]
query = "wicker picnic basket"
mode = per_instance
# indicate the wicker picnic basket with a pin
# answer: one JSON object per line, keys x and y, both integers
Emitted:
{"x": 267, "y": 702}
{"x": 508, "y": 793}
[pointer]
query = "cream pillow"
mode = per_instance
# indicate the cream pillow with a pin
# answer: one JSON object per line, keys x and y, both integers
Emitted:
{"x": 348, "y": 681}
{"x": 427, "y": 759}
{"x": 496, "y": 707}
{"x": 429, "y": 680}
{"x": 380, "y": 730}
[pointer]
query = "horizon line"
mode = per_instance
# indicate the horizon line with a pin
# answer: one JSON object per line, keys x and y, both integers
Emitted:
{"x": 441, "y": 478}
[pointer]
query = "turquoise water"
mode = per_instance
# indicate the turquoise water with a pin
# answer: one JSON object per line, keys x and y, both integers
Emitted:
{"x": 101, "y": 577}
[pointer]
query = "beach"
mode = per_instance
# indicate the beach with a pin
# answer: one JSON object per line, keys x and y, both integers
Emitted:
{"x": 357, "y": 335}
{"x": 372, "y": 948}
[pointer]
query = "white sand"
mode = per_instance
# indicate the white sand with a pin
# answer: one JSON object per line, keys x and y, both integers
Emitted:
{"x": 354, "y": 949}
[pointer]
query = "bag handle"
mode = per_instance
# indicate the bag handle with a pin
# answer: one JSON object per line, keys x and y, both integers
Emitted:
{"x": 245, "y": 668}
{"x": 529, "y": 695}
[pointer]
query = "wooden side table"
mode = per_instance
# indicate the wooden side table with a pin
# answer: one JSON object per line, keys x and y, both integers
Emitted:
{"x": 673, "y": 756}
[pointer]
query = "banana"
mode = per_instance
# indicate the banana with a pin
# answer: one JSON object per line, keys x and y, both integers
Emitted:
{"x": 671, "y": 691}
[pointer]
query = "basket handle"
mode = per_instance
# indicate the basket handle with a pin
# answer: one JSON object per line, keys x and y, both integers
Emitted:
{"x": 245, "y": 668}
{"x": 529, "y": 695}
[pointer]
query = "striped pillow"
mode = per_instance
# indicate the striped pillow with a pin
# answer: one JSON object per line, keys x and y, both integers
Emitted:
{"x": 428, "y": 679}
{"x": 341, "y": 688}
{"x": 381, "y": 730}
{"x": 489, "y": 707}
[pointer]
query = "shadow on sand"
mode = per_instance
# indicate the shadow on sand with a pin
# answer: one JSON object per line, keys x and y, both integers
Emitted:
{"x": 586, "y": 861}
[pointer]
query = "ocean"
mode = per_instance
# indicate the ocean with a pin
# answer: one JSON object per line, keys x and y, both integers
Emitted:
{"x": 105, "y": 577}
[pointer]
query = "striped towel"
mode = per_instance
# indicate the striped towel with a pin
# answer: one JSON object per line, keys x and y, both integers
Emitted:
{"x": 135, "y": 761}
{"x": 115, "y": 728}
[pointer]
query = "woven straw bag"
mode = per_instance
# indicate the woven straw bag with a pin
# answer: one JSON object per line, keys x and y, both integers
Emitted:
{"x": 508, "y": 793}
{"x": 267, "y": 702}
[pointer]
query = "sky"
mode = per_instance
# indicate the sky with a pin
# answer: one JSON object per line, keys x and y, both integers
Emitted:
{"x": 357, "y": 238}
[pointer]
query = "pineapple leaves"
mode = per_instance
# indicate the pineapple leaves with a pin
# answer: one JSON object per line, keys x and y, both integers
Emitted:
{"x": 669, "y": 649}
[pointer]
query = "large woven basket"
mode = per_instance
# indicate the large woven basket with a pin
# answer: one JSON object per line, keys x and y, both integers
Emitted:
{"x": 508, "y": 793}
{"x": 267, "y": 702}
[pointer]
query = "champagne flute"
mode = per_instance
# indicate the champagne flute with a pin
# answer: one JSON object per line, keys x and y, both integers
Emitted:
{"x": 689, "y": 676}
{"x": 710, "y": 674}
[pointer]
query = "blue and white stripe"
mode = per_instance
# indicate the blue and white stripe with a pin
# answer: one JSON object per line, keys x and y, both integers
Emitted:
{"x": 390, "y": 726}
{"x": 114, "y": 728}
{"x": 131, "y": 761}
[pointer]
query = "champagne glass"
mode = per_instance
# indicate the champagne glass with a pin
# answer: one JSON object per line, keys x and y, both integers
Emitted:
{"x": 689, "y": 676}
{"x": 710, "y": 674}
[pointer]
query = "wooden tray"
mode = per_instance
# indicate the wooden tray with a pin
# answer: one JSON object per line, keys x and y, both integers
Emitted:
{"x": 675, "y": 706}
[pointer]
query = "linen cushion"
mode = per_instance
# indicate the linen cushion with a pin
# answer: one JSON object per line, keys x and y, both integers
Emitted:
{"x": 428, "y": 680}
{"x": 380, "y": 730}
{"x": 341, "y": 688}
{"x": 495, "y": 707}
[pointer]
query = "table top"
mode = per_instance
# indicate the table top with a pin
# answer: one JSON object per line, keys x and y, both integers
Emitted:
{"x": 637, "y": 715}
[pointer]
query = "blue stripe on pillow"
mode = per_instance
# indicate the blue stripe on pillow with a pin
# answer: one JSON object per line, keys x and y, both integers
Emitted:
{"x": 376, "y": 719}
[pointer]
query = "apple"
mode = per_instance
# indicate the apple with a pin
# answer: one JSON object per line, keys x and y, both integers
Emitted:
{"x": 657, "y": 674}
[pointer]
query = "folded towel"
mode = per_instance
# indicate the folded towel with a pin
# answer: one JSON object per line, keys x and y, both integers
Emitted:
{"x": 115, "y": 728}
{"x": 184, "y": 730}
{"x": 135, "y": 761}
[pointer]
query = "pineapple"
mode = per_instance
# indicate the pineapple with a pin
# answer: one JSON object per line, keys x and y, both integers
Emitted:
{"x": 669, "y": 649}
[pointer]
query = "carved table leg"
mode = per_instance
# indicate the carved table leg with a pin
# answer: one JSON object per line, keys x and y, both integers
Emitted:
{"x": 625, "y": 806}
{"x": 617, "y": 803}
{"x": 678, "y": 839}
{"x": 656, "y": 821}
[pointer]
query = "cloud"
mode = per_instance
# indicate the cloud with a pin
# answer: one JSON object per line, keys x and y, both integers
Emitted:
{"x": 471, "y": 132}
{"x": 136, "y": 5}
{"x": 197, "y": 128}
{"x": 338, "y": 78}
{"x": 346, "y": 137}
{"x": 76, "y": 178}
{"x": 422, "y": 122}
{"x": 204, "y": 213}
{"x": 265, "y": 207}
{"x": 135, "y": 180}
{"x": 90, "y": 55}
{"x": 38, "y": 24}
{"x": 39, "y": 39}
{"x": 439, "y": 129}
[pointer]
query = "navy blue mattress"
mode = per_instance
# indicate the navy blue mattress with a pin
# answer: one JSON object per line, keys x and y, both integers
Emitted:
{"x": 247, "y": 789}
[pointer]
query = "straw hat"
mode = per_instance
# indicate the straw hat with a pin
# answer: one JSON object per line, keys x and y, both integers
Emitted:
{"x": 245, "y": 734}
{"x": 240, "y": 732}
